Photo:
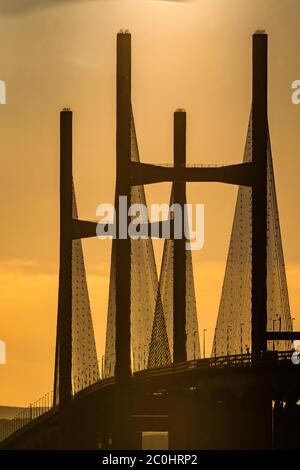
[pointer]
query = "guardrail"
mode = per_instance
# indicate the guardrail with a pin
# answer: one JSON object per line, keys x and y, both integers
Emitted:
{"x": 46, "y": 402}
{"x": 239, "y": 360}
{"x": 189, "y": 165}
{"x": 33, "y": 411}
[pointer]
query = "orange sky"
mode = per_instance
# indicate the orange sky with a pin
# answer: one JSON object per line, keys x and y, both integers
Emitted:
{"x": 195, "y": 55}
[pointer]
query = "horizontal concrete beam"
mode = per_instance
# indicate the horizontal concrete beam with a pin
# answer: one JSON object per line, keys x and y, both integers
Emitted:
{"x": 162, "y": 229}
{"x": 83, "y": 229}
{"x": 240, "y": 174}
{"x": 283, "y": 335}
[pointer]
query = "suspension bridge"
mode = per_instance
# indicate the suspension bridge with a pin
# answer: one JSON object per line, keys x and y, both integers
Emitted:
{"x": 244, "y": 396}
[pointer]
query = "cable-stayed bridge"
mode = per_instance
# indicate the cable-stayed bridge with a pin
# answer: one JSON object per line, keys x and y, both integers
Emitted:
{"x": 152, "y": 377}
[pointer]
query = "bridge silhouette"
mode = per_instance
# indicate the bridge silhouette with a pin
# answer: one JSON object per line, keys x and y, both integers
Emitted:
{"x": 153, "y": 378}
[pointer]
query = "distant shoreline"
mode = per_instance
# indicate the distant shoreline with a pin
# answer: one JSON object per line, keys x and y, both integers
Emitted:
{"x": 9, "y": 412}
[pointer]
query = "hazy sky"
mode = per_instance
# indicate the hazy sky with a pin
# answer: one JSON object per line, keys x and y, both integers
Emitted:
{"x": 194, "y": 55}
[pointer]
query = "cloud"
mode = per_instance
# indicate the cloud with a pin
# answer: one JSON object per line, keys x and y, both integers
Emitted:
{"x": 20, "y": 7}
{"x": 21, "y": 266}
{"x": 18, "y": 264}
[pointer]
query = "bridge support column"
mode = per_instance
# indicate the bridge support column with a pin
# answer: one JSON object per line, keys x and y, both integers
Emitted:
{"x": 216, "y": 423}
{"x": 286, "y": 418}
{"x": 254, "y": 416}
{"x": 63, "y": 363}
{"x": 179, "y": 269}
{"x": 180, "y": 420}
{"x": 177, "y": 414}
{"x": 122, "y": 428}
{"x": 259, "y": 192}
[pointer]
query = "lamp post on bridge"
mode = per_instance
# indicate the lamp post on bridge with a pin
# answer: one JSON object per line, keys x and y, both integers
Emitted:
{"x": 204, "y": 331}
{"x": 228, "y": 340}
{"x": 242, "y": 324}
{"x": 216, "y": 329}
{"x": 274, "y": 330}
{"x": 102, "y": 366}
